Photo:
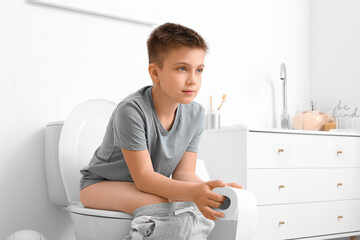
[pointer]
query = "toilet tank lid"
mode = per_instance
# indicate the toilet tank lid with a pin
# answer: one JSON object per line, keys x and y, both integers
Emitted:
{"x": 55, "y": 123}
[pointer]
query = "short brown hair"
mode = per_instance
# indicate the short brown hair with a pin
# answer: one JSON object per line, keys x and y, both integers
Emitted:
{"x": 170, "y": 36}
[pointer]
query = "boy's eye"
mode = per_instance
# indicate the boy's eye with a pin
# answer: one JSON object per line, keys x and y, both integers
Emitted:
{"x": 182, "y": 68}
{"x": 200, "y": 70}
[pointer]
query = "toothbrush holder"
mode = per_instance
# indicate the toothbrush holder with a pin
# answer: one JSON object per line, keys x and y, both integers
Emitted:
{"x": 212, "y": 119}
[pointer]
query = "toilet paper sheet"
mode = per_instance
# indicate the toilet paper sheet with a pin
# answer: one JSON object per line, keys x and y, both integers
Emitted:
{"x": 240, "y": 206}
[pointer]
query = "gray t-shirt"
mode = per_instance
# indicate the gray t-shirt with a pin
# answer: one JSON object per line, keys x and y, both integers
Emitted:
{"x": 134, "y": 125}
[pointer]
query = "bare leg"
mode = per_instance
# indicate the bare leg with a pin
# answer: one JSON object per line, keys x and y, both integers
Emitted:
{"x": 117, "y": 196}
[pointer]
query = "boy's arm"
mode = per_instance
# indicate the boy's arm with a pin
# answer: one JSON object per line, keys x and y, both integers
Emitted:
{"x": 185, "y": 170}
{"x": 147, "y": 180}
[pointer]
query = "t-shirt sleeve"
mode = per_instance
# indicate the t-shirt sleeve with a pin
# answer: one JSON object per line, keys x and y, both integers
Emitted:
{"x": 129, "y": 127}
{"x": 194, "y": 143}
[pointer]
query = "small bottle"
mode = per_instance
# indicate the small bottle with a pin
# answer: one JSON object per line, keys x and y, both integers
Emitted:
{"x": 330, "y": 122}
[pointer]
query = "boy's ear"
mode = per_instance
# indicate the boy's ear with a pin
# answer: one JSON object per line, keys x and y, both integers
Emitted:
{"x": 153, "y": 71}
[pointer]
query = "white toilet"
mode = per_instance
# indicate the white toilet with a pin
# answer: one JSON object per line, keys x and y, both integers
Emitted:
{"x": 69, "y": 147}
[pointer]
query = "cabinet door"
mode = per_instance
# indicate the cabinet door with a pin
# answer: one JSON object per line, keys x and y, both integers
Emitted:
{"x": 279, "y": 186}
{"x": 280, "y": 150}
{"x": 293, "y": 221}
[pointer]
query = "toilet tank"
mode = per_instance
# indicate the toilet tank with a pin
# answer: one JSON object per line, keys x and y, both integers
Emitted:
{"x": 55, "y": 183}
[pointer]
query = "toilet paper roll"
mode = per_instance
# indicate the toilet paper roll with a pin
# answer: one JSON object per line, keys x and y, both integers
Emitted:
{"x": 239, "y": 206}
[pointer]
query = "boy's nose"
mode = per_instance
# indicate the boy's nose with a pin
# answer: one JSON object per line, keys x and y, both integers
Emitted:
{"x": 192, "y": 79}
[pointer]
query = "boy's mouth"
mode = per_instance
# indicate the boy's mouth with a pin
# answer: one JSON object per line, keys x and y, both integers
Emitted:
{"x": 188, "y": 92}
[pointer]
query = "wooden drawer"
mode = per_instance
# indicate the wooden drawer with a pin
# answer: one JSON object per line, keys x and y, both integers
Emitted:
{"x": 281, "y": 150}
{"x": 294, "y": 221}
{"x": 278, "y": 186}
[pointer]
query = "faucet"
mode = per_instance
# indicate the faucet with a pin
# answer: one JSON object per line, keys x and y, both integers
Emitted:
{"x": 285, "y": 124}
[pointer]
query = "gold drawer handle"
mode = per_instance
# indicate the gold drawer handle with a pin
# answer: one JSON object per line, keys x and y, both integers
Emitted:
{"x": 281, "y": 223}
{"x": 280, "y": 150}
{"x": 339, "y": 152}
{"x": 339, "y": 184}
{"x": 281, "y": 186}
{"x": 340, "y": 217}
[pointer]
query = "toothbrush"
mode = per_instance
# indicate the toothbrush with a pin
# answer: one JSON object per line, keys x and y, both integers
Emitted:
{"x": 223, "y": 100}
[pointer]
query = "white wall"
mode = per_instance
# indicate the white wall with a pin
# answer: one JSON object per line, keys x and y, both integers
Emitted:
{"x": 248, "y": 41}
{"x": 52, "y": 59}
{"x": 335, "y": 55}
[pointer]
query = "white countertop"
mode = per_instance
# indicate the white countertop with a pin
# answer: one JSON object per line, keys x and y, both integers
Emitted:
{"x": 334, "y": 132}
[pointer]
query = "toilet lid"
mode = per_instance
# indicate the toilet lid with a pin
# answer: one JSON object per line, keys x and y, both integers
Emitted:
{"x": 80, "y": 209}
{"x": 81, "y": 135}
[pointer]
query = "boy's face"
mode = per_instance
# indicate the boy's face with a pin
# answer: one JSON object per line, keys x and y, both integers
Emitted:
{"x": 180, "y": 76}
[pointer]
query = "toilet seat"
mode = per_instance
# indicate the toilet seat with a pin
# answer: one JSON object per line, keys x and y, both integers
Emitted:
{"x": 81, "y": 135}
{"x": 78, "y": 208}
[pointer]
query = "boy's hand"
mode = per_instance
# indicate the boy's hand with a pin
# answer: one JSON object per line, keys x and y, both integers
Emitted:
{"x": 206, "y": 199}
{"x": 234, "y": 185}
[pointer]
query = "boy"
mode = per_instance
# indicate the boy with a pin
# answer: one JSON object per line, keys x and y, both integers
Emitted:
{"x": 154, "y": 133}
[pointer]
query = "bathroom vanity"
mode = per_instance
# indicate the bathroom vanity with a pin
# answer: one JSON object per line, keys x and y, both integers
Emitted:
{"x": 307, "y": 183}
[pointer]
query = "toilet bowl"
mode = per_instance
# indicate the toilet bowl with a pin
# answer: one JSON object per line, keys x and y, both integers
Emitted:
{"x": 99, "y": 224}
{"x": 69, "y": 146}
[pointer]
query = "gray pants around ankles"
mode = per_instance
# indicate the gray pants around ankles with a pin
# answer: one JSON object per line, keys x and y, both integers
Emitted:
{"x": 170, "y": 221}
